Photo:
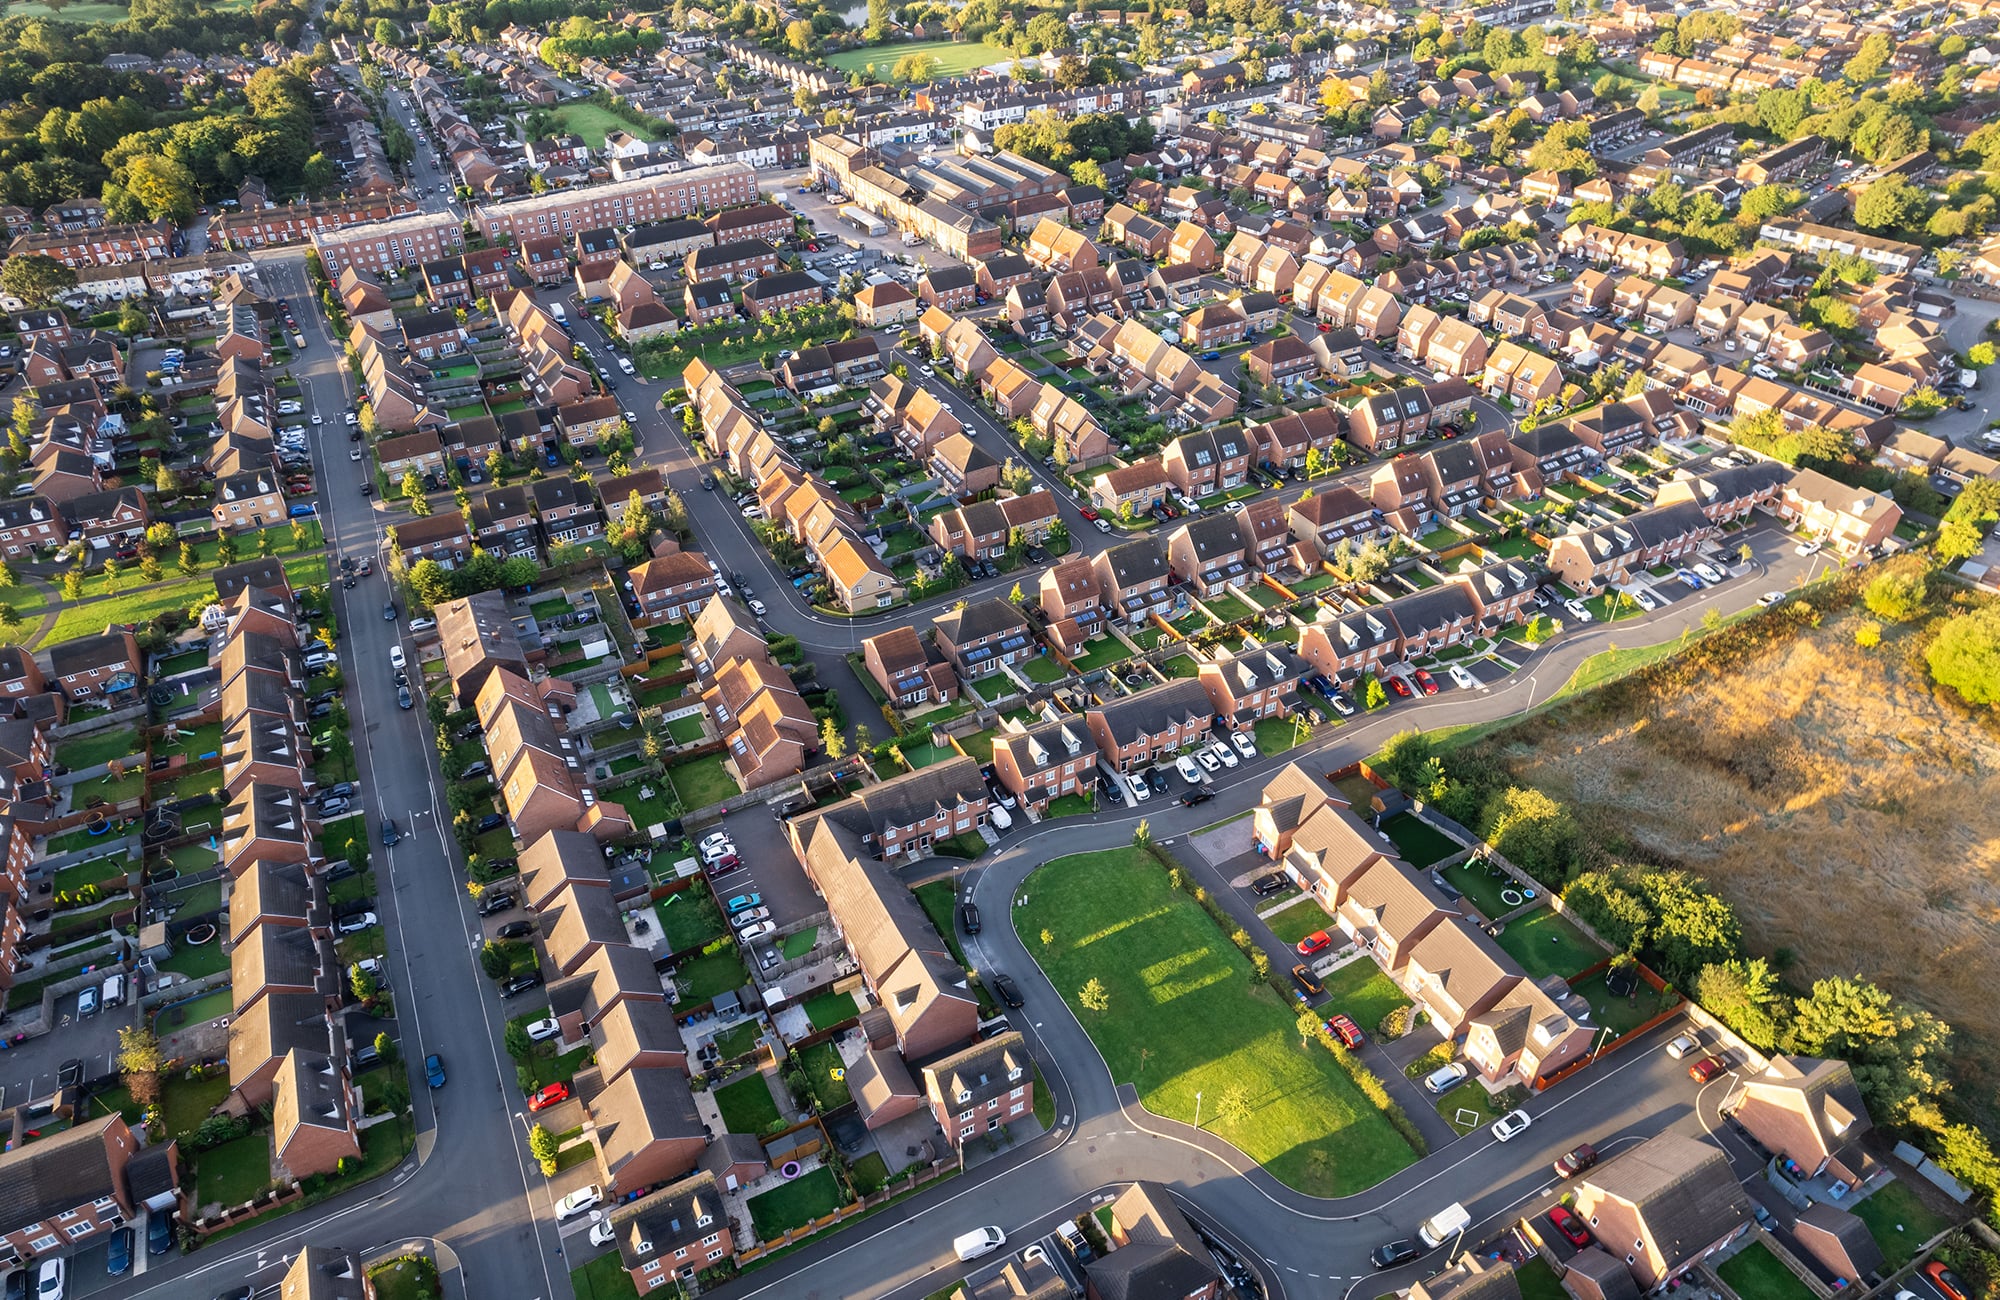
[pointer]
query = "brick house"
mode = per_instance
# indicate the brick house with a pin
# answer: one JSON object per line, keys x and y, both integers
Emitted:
{"x": 106, "y": 664}
{"x": 1138, "y": 730}
{"x": 1046, "y": 760}
{"x": 674, "y": 1232}
{"x": 1674, "y": 1199}
{"x": 73, "y": 1187}
{"x": 910, "y": 669}
{"x": 1132, "y": 578}
{"x": 982, "y": 637}
{"x": 1070, "y": 601}
{"x": 977, "y": 1090}
{"x": 776, "y": 293}
{"x": 1255, "y": 683}
{"x": 1611, "y": 553}
{"x": 671, "y": 588}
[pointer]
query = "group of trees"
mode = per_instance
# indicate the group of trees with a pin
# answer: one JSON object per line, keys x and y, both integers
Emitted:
{"x": 1058, "y": 141}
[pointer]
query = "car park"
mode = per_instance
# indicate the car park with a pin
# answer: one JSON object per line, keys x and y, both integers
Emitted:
{"x": 1511, "y": 1125}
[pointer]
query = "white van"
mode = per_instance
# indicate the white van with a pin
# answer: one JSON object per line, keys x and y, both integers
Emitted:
{"x": 113, "y": 992}
{"x": 556, "y": 310}
{"x": 980, "y": 1241}
{"x": 1444, "y": 1225}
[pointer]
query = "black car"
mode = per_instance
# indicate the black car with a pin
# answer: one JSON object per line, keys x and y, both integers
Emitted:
{"x": 403, "y": 697}
{"x": 1193, "y": 797}
{"x": 968, "y": 917}
{"x": 159, "y": 1232}
{"x": 1275, "y": 882}
{"x": 70, "y": 1074}
{"x": 1006, "y": 990}
{"x": 494, "y": 904}
{"x": 389, "y": 612}
{"x": 390, "y": 835}
{"x": 1158, "y": 780}
{"x": 479, "y": 768}
{"x": 490, "y": 822}
{"x": 520, "y": 984}
{"x": 515, "y": 930}
{"x": 1396, "y": 1252}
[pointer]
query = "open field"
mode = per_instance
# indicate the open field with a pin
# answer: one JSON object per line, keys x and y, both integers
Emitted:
{"x": 1837, "y": 801}
{"x": 1186, "y": 1016}
{"x": 951, "y": 58}
{"x": 592, "y": 123}
{"x": 91, "y": 11}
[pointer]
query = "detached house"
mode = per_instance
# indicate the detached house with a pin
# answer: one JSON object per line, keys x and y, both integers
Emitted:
{"x": 980, "y": 638}
{"x": 910, "y": 669}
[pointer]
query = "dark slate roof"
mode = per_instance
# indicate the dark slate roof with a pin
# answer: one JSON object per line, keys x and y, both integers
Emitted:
{"x": 1163, "y": 1257}
{"x": 1138, "y": 562}
{"x": 1683, "y": 1190}
{"x": 1151, "y": 711}
{"x": 904, "y": 800}
{"x": 979, "y": 620}
{"x": 53, "y": 1175}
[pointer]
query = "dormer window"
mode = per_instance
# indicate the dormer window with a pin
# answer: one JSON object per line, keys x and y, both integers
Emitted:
{"x": 964, "y": 1094}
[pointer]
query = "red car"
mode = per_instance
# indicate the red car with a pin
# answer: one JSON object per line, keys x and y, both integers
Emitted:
{"x": 1946, "y": 1281}
{"x": 1425, "y": 682}
{"x": 725, "y": 864}
{"x": 1317, "y": 941}
{"x": 1088, "y": 513}
{"x": 1569, "y": 1226}
{"x": 1325, "y": 328}
{"x": 549, "y": 1096}
{"x": 1399, "y": 686}
{"x": 1577, "y": 1161}
{"x": 1346, "y": 1031}
{"x": 1707, "y": 1068}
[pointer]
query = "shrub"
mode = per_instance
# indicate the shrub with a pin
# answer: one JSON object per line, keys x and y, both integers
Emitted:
{"x": 1396, "y": 1024}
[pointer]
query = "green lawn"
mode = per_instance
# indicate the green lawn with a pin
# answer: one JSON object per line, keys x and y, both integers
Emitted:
{"x": 1756, "y": 1272}
{"x": 90, "y": 11}
{"x": 1483, "y": 886}
{"x": 1102, "y": 653}
{"x": 820, "y": 1062}
{"x": 1900, "y": 1222}
{"x": 1545, "y": 944}
{"x": 409, "y": 1277}
{"x": 99, "y": 747}
{"x": 1276, "y": 735}
{"x": 702, "y": 782}
{"x": 799, "y": 943}
{"x": 233, "y": 1172}
{"x": 1622, "y": 1014}
{"x": 1070, "y": 805}
{"x": 950, "y": 58}
{"x": 687, "y": 730}
{"x": 746, "y": 1105}
{"x": 1418, "y": 841}
{"x": 795, "y": 1204}
{"x": 689, "y": 919}
{"x": 830, "y": 1009}
{"x": 1363, "y": 993}
{"x": 1538, "y": 1281}
{"x": 1045, "y": 669}
{"x": 603, "y": 1278}
{"x": 737, "y": 1040}
{"x": 74, "y": 621}
{"x": 196, "y": 961}
{"x": 705, "y": 978}
{"x": 979, "y": 744}
{"x": 1181, "y": 993}
{"x": 1467, "y": 1107}
{"x": 1298, "y": 921}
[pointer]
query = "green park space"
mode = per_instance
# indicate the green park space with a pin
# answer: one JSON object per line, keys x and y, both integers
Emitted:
{"x": 593, "y": 123}
{"x": 1182, "y": 1015}
{"x": 948, "y": 58}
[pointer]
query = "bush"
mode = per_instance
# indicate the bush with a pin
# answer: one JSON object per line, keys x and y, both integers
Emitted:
{"x": 216, "y": 1130}
{"x": 1397, "y": 1023}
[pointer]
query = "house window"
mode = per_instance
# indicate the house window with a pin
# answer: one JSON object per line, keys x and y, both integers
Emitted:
{"x": 653, "y": 1266}
{"x": 76, "y": 1230}
{"x": 716, "y": 1254}
{"x": 967, "y": 1131}
{"x": 711, "y": 1239}
{"x": 40, "y": 1244}
{"x": 1017, "y": 1093}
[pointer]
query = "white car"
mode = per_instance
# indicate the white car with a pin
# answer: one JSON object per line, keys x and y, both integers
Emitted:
{"x": 1577, "y": 611}
{"x": 1190, "y": 773}
{"x": 601, "y": 1233}
{"x": 356, "y": 924}
{"x": 1137, "y": 785}
{"x": 49, "y": 1279}
{"x": 1207, "y": 760}
{"x": 1644, "y": 599}
{"x": 1000, "y": 817}
{"x": 1462, "y": 679}
{"x": 759, "y": 608}
{"x": 396, "y": 659}
{"x": 1806, "y": 548}
{"x": 709, "y": 842}
{"x": 1729, "y": 345}
{"x": 753, "y": 512}
{"x": 717, "y": 852}
{"x": 422, "y": 623}
{"x": 722, "y": 588}
{"x": 1245, "y": 745}
{"x": 1710, "y": 572}
{"x": 752, "y": 933}
{"x": 1446, "y": 1077}
{"x": 354, "y": 454}
{"x": 317, "y": 418}
{"x": 583, "y": 1198}
{"x": 1224, "y": 754}
{"x": 1682, "y": 1045}
{"x": 1511, "y": 1125}
{"x": 352, "y": 418}
{"x": 543, "y": 1030}
{"x": 927, "y": 372}
{"x": 1770, "y": 598}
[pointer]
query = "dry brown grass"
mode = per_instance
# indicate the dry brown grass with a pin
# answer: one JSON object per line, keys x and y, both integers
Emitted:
{"x": 1849, "y": 811}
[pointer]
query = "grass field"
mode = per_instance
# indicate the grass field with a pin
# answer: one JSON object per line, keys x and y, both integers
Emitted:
{"x": 746, "y": 1105}
{"x": 1186, "y": 1016}
{"x": 795, "y": 1204}
{"x": 950, "y": 58}
{"x": 593, "y": 123}
{"x": 90, "y": 11}
{"x": 1361, "y": 991}
{"x": 1298, "y": 921}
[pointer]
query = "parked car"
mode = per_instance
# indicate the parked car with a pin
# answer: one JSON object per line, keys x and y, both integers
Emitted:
{"x": 1707, "y": 1068}
{"x": 1393, "y": 1253}
{"x": 1245, "y": 744}
{"x": 1006, "y": 990}
{"x": 1307, "y": 982}
{"x": 495, "y": 902}
{"x": 1317, "y": 941}
{"x": 1208, "y": 760}
{"x": 968, "y": 917}
{"x": 1425, "y": 682}
{"x": 542, "y": 1030}
{"x": 1223, "y": 754}
{"x": 1270, "y": 883}
{"x": 1577, "y": 610}
{"x": 1946, "y": 1281}
{"x": 434, "y": 1070}
{"x": 1681, "y": 1045}
{"x": 1576, "y": 1161}
{"x": 742, "y": 903}
{"x": 1511, "y": 1125}
{"x": 356, "y": 924}
{"x": 520, "y": 984}
{"x": 1571, "y": 1227}
{"x": 1462, "y": 678}
{"x": 751, "y": 917}
{"x": 759, "y": 930}
{"x": 1398, "y": 687}
{"x": 422, "y": 624}
{"x": 583, "y": 1198}
{"x": 1346, "y": 1031}
{"x": 542, "y": 1100}
{"x": 159, "y": 1232}
{"x": 390, "y": 835}
{"x": 1190, "y": 771}
{"x": 515, "y": 930}
{"x": 118, "y": 1255}
{"x": 1446, "y": 1077}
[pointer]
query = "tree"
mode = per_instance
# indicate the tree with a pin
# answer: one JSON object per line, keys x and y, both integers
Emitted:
{"x": 159, "y": 187}
{"x": 1649, "y": 101}
{"x": 1094, "y": 996}
{"x": 799, "y": 35}
{"x": 1142, "y": 834}
{"x": 72, "y": 584}
{"x": 1233, "y": 1106}
{"x": 36, "y": 279}
{"x": 1744, "y": 995}
{"x": 412, "y": 489}
{"x": 1957, "y": 540}
{"x": 385, "y": 1047}
{"x": 1980, "y": 355}
{"x": 1898, "y": 1053}
{"x": 1315, "y": 463}
{"x": 1965, "y": 655}
{"x": 1891, "y": 203}
{"x": 1534, "y": 832}
{"x": 190, "y": 559}
{"x": 1308, "y": 1026}
{"x": 1869, "y": 60}
{"x": 542, "y": 1146}
{"x": 1373, "y": 696}
{"x": 1087, "y": 171}
{"x": 830, "y": 738}
{"x": 1897, "y": 595}
{"x": 141, "y": 1061}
